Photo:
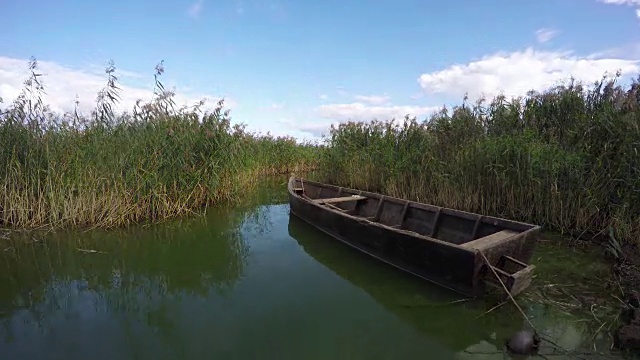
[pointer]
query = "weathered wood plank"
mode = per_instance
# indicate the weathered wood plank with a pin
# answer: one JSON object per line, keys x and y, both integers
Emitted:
{"x": 403, "y": 215}
{"x": 376, "y": 217}
{"x": 339, "y": 199}
{"x": 475, "y": 228}
{"x": 489, "y": 240}
{"x": 434, "y": 229}
{"x": 521, "y": 280}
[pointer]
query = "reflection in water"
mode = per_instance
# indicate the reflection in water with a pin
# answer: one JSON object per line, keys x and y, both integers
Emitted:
{"x": 434, "y": 311}
{"x": 66, "y": 293}
{"x": 164, "y": 258}
{"x": 247, "y": 283}
{"x": 233, "y": 285}
{"x": 463, "y": 326}
{"x": 182, "y": 255}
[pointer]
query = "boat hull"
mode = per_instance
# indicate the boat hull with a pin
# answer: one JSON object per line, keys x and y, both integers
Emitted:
{"x": 461, "y": 267}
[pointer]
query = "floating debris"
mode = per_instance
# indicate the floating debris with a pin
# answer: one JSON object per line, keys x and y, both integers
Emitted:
{"x": 90, "y": 251}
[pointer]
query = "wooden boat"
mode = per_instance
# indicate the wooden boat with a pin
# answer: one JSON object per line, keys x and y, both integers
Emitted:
{"x": 458, "y": 250}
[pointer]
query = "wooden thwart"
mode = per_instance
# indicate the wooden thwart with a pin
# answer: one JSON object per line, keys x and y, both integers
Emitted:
{"x": 339, "y": 199}
{"x": 489, "y": 240}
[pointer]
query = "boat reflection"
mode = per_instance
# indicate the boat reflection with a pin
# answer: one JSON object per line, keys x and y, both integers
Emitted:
{"x": 438, "y": 313}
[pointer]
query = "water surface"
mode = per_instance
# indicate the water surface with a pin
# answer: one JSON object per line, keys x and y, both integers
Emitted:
{"x": 244, "y": 283}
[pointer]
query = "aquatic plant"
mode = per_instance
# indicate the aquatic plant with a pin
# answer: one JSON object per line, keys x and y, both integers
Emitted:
{"x": 107, "y": 169}
{"x": 566, "y": 158}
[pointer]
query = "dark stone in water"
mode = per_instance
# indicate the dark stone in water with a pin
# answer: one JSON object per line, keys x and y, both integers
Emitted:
{"x": 627, "y": 269}
{"x": 523, "y": 342}
{"x": 628, "y": 336}
{"x": 634, "y": 300}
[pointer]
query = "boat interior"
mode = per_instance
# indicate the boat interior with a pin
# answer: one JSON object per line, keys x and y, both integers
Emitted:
{"x": 461, "y": 228}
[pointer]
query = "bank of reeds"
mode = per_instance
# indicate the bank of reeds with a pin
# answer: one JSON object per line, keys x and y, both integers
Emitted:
{"x": 567, "y": 158}
{"x": 107, "y": 169}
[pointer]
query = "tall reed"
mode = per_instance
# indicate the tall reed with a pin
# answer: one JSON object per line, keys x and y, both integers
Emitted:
{"x": 567, "y": 158}
{"x": 107, "y": 169}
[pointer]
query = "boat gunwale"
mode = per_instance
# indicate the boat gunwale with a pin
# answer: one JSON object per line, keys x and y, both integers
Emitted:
{"x": 507, "y": 223}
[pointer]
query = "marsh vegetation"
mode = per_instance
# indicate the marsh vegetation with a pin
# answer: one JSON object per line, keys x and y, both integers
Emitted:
{"x": 566, "y": 158}
{"x": 108, "y": 169}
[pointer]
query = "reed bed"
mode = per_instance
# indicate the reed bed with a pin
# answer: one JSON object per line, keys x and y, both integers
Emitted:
{"x": 566, "y": 158}
{"x": 106, "y": 169}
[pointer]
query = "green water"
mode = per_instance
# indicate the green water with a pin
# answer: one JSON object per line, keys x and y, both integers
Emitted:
{"x": 244, "y": 283}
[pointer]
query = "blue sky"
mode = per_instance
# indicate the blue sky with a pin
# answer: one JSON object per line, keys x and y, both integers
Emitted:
{"x": 295, "y": 67}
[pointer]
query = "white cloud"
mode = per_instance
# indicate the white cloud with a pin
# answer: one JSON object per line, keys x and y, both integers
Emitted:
{"x": 337, "y": 113}
{"x": 323, "y": 97}
{"x": 544, "y": 35}
{"x": 621, "y": 2}
{"x": 315, "y": 129}
{"x": 373, "y": 99}
{"x": 516, "y": 73}
{"x": 358, "y": 111}
{"x": 624, "y": 2}
{"x": 62, "y": 84}
{"x": 196, "y": 8}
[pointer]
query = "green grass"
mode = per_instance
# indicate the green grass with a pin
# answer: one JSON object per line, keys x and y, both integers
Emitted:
{"x": 567, "y": 158}
{"x": 107, "y": 169}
